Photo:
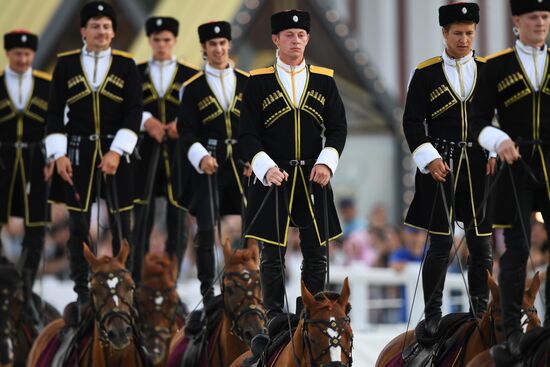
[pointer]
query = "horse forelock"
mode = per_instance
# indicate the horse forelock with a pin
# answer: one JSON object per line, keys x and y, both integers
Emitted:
{"x": 328, "y": 299}
{"x": 241, "y": 256}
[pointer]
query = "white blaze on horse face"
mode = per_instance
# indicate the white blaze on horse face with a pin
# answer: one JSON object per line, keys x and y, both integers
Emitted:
{"x": 335, "y": 350}
{"x": 112, "y": 286}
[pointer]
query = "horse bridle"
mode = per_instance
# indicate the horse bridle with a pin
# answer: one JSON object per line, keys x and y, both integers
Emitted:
{"x": 249, "y": 294}
{"x": 104, "y": 279}
{"x": 339, "y": 328}
{"x": 499, "y": 328}
{"x": 163, "y": 306}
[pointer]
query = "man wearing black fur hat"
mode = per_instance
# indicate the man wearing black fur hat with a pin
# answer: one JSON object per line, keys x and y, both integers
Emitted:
{"x": 516, "y": 83}
{"x": 293, "y": 130}
{"x": 93, "y": 118}
{"x": 208, "y": 122}
{"x": 24, "y": 95}
{"x": 439, "y": 96}
{"x": 162, "y": 80}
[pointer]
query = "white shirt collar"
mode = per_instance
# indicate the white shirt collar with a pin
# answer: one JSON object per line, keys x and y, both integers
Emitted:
{"x": 12, "y": 73}
{"x": 168, "y": 62}
{"x": 209, "y": 69}
{"x": 452, "y": 61}
{"x": 529, "y": 50}
{"x": 100, "y": 54}
{"x": 286, "y": 67}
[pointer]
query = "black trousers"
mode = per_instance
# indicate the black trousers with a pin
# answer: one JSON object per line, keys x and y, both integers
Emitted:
{"x": 434, "y": 271}
{"x": 176, "y": 241}
{"x": 513, "y": 263}
{"x": 79, "y": 227}
{"x": 313, "y": 270}
{"x": 204, "y": 245}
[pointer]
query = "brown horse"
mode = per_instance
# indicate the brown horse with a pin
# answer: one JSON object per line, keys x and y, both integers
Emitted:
{"x": 244, "y": 313}
{"x": 485, "y": 358}
{"x": 487, "y": 333}
{"x": 114, "y": 339}
{"x": 17, "y": 329}
{"x": 323, "y": 336}
{"x": 157, "y": 301}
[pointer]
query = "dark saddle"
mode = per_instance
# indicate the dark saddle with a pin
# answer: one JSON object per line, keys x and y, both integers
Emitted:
{"x": 432, "y": 350}
{"x": 535, "y": 347}
{"x": 279, "y": 336}
{"x": 199, "y": 328}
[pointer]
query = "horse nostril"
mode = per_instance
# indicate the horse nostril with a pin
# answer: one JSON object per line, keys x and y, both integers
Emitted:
{"x": 111, "y": 335}
{"x": 128, "y": 330}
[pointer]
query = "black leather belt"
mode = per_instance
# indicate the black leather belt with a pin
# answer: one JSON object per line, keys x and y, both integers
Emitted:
{"x": 296, "y": 162}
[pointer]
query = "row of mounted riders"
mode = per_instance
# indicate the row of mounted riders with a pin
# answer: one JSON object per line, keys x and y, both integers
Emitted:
{"x": 143, "y": 325}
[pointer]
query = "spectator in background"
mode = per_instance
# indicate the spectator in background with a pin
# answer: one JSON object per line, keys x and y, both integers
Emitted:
{"x": 412, "y": 250}
{"x": 539, "y": 246}
{"x": 351, "y": 222}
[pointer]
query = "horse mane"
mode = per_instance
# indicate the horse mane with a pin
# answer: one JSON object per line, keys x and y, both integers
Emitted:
{"x": 156, "y": 265}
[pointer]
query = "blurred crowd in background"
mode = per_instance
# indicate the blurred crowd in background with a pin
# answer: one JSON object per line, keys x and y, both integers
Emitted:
{"x": 370, "y": 241}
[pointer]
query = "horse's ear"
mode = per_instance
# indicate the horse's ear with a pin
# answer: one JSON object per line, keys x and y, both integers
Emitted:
{"x": 307, "y": 298}
{"x": 254, "y": 247}
{"x": 174, "y": 263}
{"x": 534, "y": 286}
{"x": 493, "y": 286}
{"x": 89, "y": 256}
{"x": 123, "y": 252}
{"x": 343, "y": 300}
{"x": 227, "y": 250}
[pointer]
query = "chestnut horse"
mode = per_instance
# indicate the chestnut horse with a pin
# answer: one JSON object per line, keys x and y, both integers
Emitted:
{"x": 488, "y": 332}
{"x": 17, "y": 330}
{"x": 114, "y": 340}
{"x": 485, "y": 359}
{"x": 244, "y": 314}
{"x": 323, "y": 336}
{"x": 157, "y": 301}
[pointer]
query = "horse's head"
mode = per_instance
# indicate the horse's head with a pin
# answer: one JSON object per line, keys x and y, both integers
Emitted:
{"x": 493, "y": 317}
{"x": 112, "y": 290}
{"x": 528, "y": 304}
{"x": 11, "y": 298}
{"x": 326, "y": 332}
{"x": 241, "y": 292}
{"x": 157, "y": 300}
{"x": 494, "y": 312}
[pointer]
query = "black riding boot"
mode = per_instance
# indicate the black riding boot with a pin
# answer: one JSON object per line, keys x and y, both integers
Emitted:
{"x": 434, "y": 273}
{"x": 271, "y": 279}
{"x": 314, "y": 268}
{"x": 32, "y": 245}
{"x": 206, "y": 263}
{"x": 480, "y": 264}
{"x": 511, "y": 285}
{"x": 79, "y": 268}
{"x": 176, "y": 242}
{"x": 547, "y": 303}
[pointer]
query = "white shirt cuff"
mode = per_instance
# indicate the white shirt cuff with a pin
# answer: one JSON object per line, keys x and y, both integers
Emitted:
{"x": 423, "y": 155}
{"x": 261, "y": 163}
{"x": 329, "y": 157}
{"x": 146, "y": 115}
{"x": 124, "y": 142}
{"x": 492, "y": 154}
{"x": 195, "y": 154}
{"x": 490, "y": 138}
{"x": 56, "y": 145}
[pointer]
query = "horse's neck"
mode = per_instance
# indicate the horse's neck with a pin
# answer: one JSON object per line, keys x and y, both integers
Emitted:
{"x": 482, "y": 334}
{"x": 296, "y": 345}
{"x": 229, "y": 346}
